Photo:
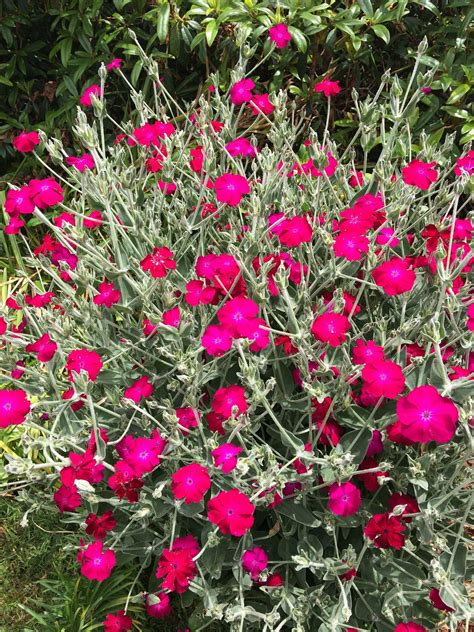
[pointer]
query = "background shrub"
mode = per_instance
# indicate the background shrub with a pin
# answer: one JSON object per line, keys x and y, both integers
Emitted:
{"x": 51, "y": 48}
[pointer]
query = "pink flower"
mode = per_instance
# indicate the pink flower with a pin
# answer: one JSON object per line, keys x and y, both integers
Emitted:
{"x": 158, "y": 263}
{"x": 187, "y": 418}
{"x": 261, "y": 104}
{"x": 85, "y": 99}
{"x": 84, "y": 467}
{"x": 158, "y": 605}
{"x": 437, "y": 602}
{"x": 99, "y": 526}
{"x": 44, "y": 347}
{"x": 387, "y": 236}
{"x": 108, "y": 295}
{"x": 420, "y": 174}
{"x": 119, "y": 622}
{"x": 327, "y": 87}
{"x": 260, "y": 336}
{"x": 356, "y": 179}
{"x": 331, "y": 328}
{"x": 232, "y": 512}
{"x": 96, "y": 564}
{"x": 350, "y": 246}
{"x": 410, "y": 626}
{"x": 230, "y": 188}
{"x": 465, "y": 164}
{"x": 14, "y": 407}
{"x": 140, "y": 388}
{"x": 83, "y": 360}
{"x": 238, "y": 316}
{"x": 81, "y": 163}
{"x": 67, "y": 498}
{"x": 291, "y": 231}
{"x": 168, "y": 188}
{"x": 114, "y": 64}
{"x": 241, "y": 91}
{"x": 45, "y": 193}
{"x": 280, "y": 35}
{"x": 394, "y": 276}
{"x": 376, "y": 444}
{"x": 172, "y": 317}
{"x": 254, "y": 561}
{"x": 228, "y": 399}
{"x": 241, "y": 147}
{"x": 93, "y": 220}
{"x": 344, "y": 499}
{"x": 411, "y": 506}
{"x": 18, "y": 371}
{"x": 383, "y": 378}
{"x": 143, "y": 453}
{"x": 148, "y": 327}
{"x": 424, "y": 416}
{"x": 197, "y": 159}
{"x": 177, "y": 567}
{"x": 191, "y": 483}
{"x": 125, "y": 482}
{"x": 216, "y": 340}
{"x": 365, "y": 352}
{"x": 18, "y": 201}
{"x": 225, "y": 456}
{"x": 385, "y": 531}
{"x": 14, "y": 226}
{"x": 25, "y": 142}
{"x": 198, "y": 294}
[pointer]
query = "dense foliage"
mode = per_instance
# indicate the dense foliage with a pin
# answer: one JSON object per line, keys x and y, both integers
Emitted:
{"x": 50, "y": 47}
{"x": 246, "y": 357}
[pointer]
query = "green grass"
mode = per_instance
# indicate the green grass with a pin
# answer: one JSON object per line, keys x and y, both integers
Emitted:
{"x": 27, "y": 555}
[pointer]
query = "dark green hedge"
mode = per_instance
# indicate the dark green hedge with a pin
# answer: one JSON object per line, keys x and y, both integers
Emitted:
{"x": 51, "y": 48}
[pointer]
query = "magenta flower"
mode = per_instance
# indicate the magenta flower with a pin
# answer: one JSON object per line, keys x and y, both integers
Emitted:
{"x": 386, "y": 531}
{"x": 328, "y": 88}
{"x": 228, "y": 398}
{"x": 350, "y": 246}
{"x": 254, "y": 561}
{"x": 241, "y": 91}
{"x": 158, "y": 605}
{"x": 19, "y": 202}
{"x": 158, "y": 263}
{"x": 67, "y": 498}
{"x": 280, "y": 35}
{"x": 108, "y": 295}
{"x": 98, "y": 526}
{"x": 344, "y": 499}
{"x": 437, "y": 602}
{"x": 25, "y": 142}
{"x": 216, "y": 340}
{"x": 365, "y": 352}
{"x": 232, "y": 512}
{"x": 190, "y": 483}
{"x": 96, "y": 564}
{"x": 45, "y": 193}
{"x": 141, "y": 388}
{"x": 465, "y": 164}
{"x": 394, "y": 276}
{"x": 44, "y": 347}
{"x": 142, "y": 453}
{"x": 387, "y": 236}
{"x": 238, "y": 316}
{"x": 225, "y": 456}
{"x": 410, "y": 504}
{"x": 260, "y": 336}
{"x": 241, "y": 147}
{"x": 261, "y": 104}
{"x": 119, "y": 622}
{"x": 376, "y": 444}
{"x": 197, "y": 159}
{"x": 424, "y": 416}
{"x": 14, "y": 407}
{"x": 410, "y": 626}
{"x": 93, "y": 220}
{"x": 81, "y": 163}
{"x": 230, "y": 188}
{"x": 188, "y": 418}
{"x": 291, "y": 231}
{"x": 83, "y": 360}
{"x": 172, "y": 317}
{"x": 85, "y": 99}
{"x": 331, "y": 328}
{"x": 177, "y": 568}
{"x": 114, "y": 64}
{"x": 383, "y": 378}
{"x": 420, "y": 174}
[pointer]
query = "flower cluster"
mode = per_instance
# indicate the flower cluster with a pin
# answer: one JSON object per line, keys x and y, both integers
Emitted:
{"x": 249, "y": 363}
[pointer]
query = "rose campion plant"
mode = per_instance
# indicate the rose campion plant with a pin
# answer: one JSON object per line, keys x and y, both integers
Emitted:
{"x": 248, "y": 378}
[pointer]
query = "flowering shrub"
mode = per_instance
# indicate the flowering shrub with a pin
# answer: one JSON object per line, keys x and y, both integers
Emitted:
{"x": 249, "y": 369}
